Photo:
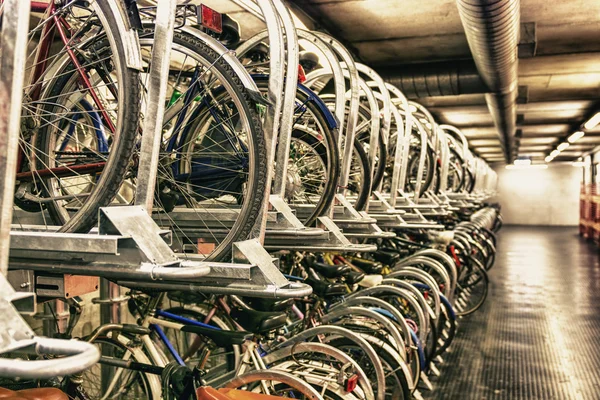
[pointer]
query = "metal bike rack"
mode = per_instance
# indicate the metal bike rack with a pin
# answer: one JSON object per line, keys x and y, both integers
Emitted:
{"x": 399, "y": 172}
{"x": 128, "y": 247}
{"x": 355, "y": 224}
{"x": 460, "y": 199}
{"x": 17, "y": 336}
{"x": 413, "y": 207}
{"x": 405, "y": 212}
{"x": 131, "y": 250}
{"x": 385, "y": 111}
{"x": 358, "y": 224}
{"x": 13, "y": 38}
{"x": 164, "y": 25}
{"x": 285, "y": 228}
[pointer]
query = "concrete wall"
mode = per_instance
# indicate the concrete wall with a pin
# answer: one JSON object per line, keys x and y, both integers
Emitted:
{"x": 540, "y": 196}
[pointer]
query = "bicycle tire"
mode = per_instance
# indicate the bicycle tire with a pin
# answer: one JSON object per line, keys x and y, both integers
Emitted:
{"x": 118, "y": 161}
{"x": 430, "y": 173}
{"x": 476, "y": 265}
{"x": 257, "y": 180}
{"x": 331, "y": 151}
{"x": 144, "y": 378}
{"x": 401, "y": 391}
{"x": 332, "y": 161}
{"x": 365, "y": 166}
{"x": 230, "y": 363}
{"x": 364, "y": 137}
{"x": 446, "y": 340}
{"x": 382, "y": 149}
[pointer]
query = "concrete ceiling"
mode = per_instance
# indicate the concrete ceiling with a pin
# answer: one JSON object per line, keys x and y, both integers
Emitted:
{"x": 562, "y": 79}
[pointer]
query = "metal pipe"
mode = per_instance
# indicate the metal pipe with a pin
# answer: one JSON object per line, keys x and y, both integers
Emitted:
{"x": 492, "y": 30}
{"x": 109, "y": 309}
{"x": 146, "y": 273}
{"x": 435, "y": 79}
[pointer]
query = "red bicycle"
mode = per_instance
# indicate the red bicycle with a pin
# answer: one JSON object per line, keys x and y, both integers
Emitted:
{"x": 81, "y": 109}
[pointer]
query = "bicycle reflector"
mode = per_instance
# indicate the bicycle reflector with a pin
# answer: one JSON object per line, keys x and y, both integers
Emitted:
{"x": 301, "y": 74}
{"x": 453, "y": 252}
{"x": 211, "y": 19}
{"x": 351, "y": 383}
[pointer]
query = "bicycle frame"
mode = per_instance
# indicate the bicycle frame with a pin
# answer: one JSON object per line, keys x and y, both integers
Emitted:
{"x": 57, "y": 24}
{"x": 209, "y": 169}
{"x": 251, "y": 355}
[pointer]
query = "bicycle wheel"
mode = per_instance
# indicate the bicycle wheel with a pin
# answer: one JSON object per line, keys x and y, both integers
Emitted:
{"x": 360, "y": 176}
{"x": 268, "y": 381}
{"x": 108, "y": 382}
{"x": 472, "y": 287}
{"x": 80, "y": 115}
{"x": 314, "y": 158}
{"x": 456, "y": 172}
{"x": 220, "y": 361}
{"x": 413, "y": 166}
{"x": 359, "y": 182}
{"x": 319, "y": 371}
{"x": 447, "y": 326}
{"x": 363, "y": 134}
{"x": 396, "y": 384}
{"x": 212, "y": 175}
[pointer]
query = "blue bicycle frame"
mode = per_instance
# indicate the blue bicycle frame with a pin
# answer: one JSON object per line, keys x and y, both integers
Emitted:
{"x": 180, "y": 319}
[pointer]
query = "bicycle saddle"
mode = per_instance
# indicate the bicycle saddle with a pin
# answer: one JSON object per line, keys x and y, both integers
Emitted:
{"x": 230, "y": 37}
{"x": 33, "y": 394}
{"x": 353, "y": 277}
{"x": 258, "y": 321}
{"x": 220, "y": 337}
{"x": 326, "y": 289}
{"x": 330, "y": 271}
{"x": 270, "y": 305}
{"x": 386, "y": 257}
{"x": 370, "y": 267}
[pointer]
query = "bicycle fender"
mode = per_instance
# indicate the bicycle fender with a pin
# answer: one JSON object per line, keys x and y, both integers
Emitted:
{"x": 231, "y": 59}
{"x": 131, "y": 42}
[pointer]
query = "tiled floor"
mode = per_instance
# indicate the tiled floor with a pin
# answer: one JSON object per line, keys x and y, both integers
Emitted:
{"x": 538, "y": 335}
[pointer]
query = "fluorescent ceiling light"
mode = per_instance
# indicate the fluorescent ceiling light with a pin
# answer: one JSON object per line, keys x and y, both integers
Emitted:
{"x": 592, "y": 122}
{"x": 563, "y": 146}
{"x": 576, "y": 136}
{"x": 554, "y": 153}
{"x": 522, "y": 161}
{"x": 548, "y": 159}
{"x": 532, "y": 166}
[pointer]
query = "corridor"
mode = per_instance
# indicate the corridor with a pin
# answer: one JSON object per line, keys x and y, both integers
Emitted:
{"x": 537, "y": 335}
